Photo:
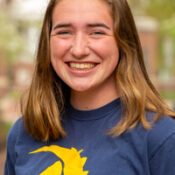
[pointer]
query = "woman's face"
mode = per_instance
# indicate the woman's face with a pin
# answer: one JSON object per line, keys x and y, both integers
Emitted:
{"x": 84, "y": 52}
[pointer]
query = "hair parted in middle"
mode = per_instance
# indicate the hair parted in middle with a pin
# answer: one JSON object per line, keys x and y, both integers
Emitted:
{"x": 48, "y": 94}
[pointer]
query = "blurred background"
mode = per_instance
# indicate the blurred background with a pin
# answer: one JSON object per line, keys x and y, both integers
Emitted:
{"x": 20, "y": 23}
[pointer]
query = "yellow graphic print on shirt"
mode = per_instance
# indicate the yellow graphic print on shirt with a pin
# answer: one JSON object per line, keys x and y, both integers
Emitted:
{"x": 73, "y": 163}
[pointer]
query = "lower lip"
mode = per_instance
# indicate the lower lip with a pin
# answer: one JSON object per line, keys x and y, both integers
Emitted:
{"x": 82, "y": 72}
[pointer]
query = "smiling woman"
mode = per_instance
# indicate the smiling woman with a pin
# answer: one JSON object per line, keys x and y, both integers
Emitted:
{"x": 80, "y": 39}
{"x": 91, "y": 102}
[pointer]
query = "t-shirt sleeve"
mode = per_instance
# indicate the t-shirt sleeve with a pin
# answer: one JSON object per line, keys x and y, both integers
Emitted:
{"x": 163, "y": 162}
{"x": 11, "y": 154}
{"x": 162, "y": 158}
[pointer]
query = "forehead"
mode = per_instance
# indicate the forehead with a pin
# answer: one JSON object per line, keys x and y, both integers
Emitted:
{"x": 81, "y": 10}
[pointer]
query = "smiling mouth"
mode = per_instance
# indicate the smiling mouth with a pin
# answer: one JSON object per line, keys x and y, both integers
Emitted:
{"x": 82, "y": 66}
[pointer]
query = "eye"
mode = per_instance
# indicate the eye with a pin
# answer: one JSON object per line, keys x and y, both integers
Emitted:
{"x": 98, "y": 33}
{"x": 63, "y": 32}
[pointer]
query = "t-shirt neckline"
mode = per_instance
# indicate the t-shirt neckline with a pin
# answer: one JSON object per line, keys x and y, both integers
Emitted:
{"x": 93, "y": 114}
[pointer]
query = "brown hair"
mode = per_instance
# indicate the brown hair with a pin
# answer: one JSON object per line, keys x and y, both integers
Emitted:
{"x": 48, "y": 94}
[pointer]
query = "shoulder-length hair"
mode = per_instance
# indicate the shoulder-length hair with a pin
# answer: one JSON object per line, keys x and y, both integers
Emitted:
{"x": 48, "y": 94}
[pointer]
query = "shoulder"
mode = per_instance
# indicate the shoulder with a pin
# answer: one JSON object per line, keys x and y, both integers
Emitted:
{"x": 12, "y": 139}
{"x": 162, "y": 132}
{"x": 14, "y": 131}
{"x": 161, "y": 143}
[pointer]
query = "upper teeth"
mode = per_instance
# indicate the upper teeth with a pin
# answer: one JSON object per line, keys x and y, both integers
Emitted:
{"x": 82, "y": 65}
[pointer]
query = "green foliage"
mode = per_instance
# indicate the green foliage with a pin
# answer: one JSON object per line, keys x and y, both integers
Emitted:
{"x": 168, "y": 27}
{"x": 164, "y": 12}
{"x": 14, "y": 94}
{"x": 161, "y": 9}
{"x": 5, "y": 127}
{"x": 11, "y": 43}
{"x": 168, "y": 95}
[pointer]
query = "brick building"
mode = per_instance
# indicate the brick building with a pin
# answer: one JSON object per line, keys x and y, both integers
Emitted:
{"x": 148, "y": 34}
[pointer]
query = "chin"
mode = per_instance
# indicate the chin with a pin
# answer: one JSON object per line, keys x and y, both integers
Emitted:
{"x": 80, "y": 88}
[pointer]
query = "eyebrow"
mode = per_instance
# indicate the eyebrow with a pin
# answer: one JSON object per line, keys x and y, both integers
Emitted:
{"x": 99, "y": 25}
{"x": 62, "y": 25}
{"x": 88, "y": 25}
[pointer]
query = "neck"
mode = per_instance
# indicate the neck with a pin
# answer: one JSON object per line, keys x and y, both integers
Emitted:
{"x": 94, "y": 98}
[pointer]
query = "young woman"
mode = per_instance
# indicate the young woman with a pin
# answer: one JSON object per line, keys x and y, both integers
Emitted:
{"x": 91, "y": 108}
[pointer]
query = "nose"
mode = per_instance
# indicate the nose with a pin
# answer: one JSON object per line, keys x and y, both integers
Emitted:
{"x": 80, "y": 47}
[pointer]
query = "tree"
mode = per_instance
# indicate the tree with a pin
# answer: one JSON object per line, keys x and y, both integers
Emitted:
{"x": 11, "y": 43}
{"x": 161, "y": 9}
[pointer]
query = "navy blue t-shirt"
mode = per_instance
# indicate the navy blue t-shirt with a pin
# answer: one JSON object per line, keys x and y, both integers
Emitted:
{"x": 88, "y": 149}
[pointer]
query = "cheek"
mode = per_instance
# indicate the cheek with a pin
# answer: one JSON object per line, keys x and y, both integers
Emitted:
{"x": 58, "y": 48}
{"x": 106, "y": 48}
{"x": 110, "y": 54}
{"x": 57, "y": 53}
